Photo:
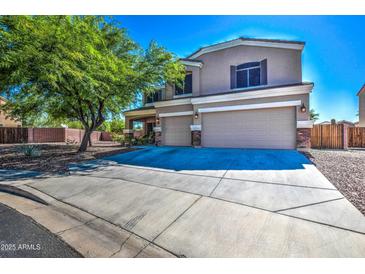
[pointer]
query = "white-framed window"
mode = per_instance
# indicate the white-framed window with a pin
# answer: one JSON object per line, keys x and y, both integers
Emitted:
{"x": 248, "y": 75}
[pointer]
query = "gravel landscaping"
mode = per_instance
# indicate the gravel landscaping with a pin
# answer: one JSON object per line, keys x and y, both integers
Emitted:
{"x": 344, "y": 169}
{"x": 54, "y": 158}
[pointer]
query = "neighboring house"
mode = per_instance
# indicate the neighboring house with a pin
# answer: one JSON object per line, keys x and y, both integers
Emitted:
{"x": 345, "y": 122}
{"x": 342, "y": 122}
{"x": 361, "y": 95}
{"x": 6, "y": 121}
{"x": 242, "y": 93}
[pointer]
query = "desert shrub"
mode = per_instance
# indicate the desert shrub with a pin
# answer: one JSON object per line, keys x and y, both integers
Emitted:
{"x": 134, "y": 141}
{"x": 71, "y": 141}
{"x": 127, "y": 141}
{"x": 30, "y": 150}
{"x": 117, "y": 137}
{"x": 151, "y": 138}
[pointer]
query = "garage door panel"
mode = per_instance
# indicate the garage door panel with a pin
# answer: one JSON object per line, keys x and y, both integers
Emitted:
{"x": 265, "y": 128}
{"x": 176, "y": 131}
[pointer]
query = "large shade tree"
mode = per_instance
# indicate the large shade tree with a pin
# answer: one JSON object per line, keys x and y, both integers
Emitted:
{"x": 81, "y": 68}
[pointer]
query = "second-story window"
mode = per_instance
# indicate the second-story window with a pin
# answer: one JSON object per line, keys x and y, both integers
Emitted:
{"x": 157, "y": 96}
{"x": 249, "y": 74}
{"x": 187, "y": 86}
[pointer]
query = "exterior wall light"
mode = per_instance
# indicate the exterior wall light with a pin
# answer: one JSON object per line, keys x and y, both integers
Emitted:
{"x": 196, "y": 115}
{"x": 303, "y": 108}
{"x": 157, "y": 120}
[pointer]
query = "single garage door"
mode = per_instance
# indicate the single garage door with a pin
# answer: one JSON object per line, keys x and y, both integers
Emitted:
{"x": 262, "y": 128}
{"x": 176, "y": 131}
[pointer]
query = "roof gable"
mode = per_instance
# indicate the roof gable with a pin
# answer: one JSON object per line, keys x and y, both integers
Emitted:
{"x": 296, "y": 45}
{"x": 361, "y": 91}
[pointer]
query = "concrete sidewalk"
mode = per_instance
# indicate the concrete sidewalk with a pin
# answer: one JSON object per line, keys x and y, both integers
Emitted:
{"x": 89, "y": 235}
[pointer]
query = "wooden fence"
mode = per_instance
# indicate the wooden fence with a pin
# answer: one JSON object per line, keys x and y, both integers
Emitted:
{"x": 328, "y": 136}
{"x": 337, "y": 136}
{"x": 356, "y": 136}
{"x": 9, "y": 135}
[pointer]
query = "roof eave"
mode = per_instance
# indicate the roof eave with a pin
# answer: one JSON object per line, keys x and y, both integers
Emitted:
{"x": 192, "y": 63}
{"x": 248, "y": 42}
{"x": 361, "y": 91}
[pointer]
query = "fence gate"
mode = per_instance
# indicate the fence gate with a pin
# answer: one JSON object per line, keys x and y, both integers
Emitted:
{"x": 328, "y": 136}
{"x": 356, "y": 136}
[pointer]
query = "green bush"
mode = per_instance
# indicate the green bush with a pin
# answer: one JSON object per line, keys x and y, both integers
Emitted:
{"x": 113, "y": 126}
{"x": 151, "y": 138}
{"x": 117, "y": 137}
{"x": 30, "y": 150}
{"x": 140, "y": 141}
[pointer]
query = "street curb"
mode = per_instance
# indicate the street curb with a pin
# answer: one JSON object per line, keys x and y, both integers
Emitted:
{"x": 87, "y": 234}
{"x": 21, "y": 193}
{"x": 44, "y": 228}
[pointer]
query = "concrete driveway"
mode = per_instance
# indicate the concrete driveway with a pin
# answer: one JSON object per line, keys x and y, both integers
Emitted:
{"x": 217, "y": 202}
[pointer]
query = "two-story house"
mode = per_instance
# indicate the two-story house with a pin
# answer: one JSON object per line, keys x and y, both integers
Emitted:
{"x": 245, "y": 93}
{"x": 361, "y": 95}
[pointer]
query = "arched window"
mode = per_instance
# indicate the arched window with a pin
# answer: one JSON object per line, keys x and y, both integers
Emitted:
{"x": 249, "y": 75}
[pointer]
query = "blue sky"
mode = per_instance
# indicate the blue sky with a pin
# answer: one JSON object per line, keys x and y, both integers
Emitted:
{"x": 333, "y": 58}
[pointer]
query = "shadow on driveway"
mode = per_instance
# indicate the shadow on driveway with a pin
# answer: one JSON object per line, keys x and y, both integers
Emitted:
{"x": 188, "y": 158}
{"x": 17, "y": 174}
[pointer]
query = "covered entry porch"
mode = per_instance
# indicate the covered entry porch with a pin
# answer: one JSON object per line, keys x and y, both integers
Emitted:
{"x": 139, "y": 122}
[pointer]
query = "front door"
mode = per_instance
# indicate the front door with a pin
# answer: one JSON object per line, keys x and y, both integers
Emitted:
{"x": 150, "y": 127}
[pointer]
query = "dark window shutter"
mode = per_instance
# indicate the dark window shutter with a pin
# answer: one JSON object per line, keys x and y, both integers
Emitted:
{"x": 233, "y": 77}
{"x": 264, "y": 72}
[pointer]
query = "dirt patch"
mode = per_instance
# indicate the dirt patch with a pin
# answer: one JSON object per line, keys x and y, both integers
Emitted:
{"x": 55, "y": 158}
{"x": 344, "y": 169}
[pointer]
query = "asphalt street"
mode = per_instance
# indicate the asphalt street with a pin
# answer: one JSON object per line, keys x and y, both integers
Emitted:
{"x": 21, "y": 237}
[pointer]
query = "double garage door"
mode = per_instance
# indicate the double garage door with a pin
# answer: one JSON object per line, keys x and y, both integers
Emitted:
{"x": 264, "y": 128}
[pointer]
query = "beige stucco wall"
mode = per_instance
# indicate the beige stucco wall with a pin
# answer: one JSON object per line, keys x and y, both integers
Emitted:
{"x": 179, "y": 108}
{"x": 168, "y": 92}
{"x": 300, "y": 115}
{"x": 7, "y": 122}
{"x": 196, "y": 79}
{"x": 362, "y": 110}
{"x": 284, "y": 66}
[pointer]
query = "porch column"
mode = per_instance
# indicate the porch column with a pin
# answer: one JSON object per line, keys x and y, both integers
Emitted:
{"x": 158, "y": 135}
{"x": 196, "y": 135}
{"x": 128, "y": 131}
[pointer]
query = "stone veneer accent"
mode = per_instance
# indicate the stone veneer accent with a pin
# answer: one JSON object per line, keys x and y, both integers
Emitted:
{"x": 158, "y": 138}
{"x": 303, "y": 138}
{"x": 196, "y": 136}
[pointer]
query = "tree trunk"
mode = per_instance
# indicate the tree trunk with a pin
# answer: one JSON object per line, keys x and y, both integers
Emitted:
{"x": 90, "y": 144}
{"x": 85, "y": 140}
